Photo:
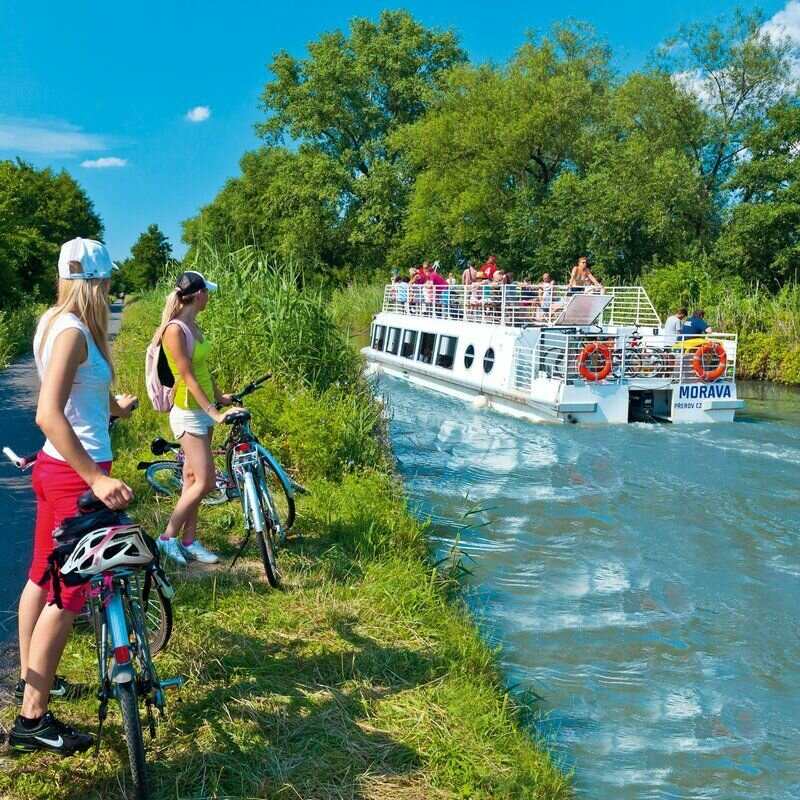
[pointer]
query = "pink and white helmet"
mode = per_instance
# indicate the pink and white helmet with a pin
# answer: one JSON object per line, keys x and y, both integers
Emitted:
{"x": 113, "y": 546}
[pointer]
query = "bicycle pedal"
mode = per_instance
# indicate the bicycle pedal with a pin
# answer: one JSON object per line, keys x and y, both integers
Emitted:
{"x": 232, "y": 492}
{"x": 172, "y": 682}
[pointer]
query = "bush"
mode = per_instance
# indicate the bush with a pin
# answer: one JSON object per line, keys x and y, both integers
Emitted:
{"x": 16, "y": 331}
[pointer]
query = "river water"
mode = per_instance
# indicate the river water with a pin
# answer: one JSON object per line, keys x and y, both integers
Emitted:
{"x": 644, "y": 579}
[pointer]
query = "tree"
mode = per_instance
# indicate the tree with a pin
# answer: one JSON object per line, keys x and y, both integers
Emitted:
{"x": 738, "y": 73}
{"x": 151, "y": 257}
{"x": 39, "y": 211}
{"x": 761, "y": 241}
{"x": 490, "y": 149}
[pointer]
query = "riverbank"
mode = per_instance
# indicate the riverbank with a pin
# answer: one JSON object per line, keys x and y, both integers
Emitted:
{"x": 365, "y": 677}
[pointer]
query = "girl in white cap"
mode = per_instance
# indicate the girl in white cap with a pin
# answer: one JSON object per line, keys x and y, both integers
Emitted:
{"x": 74, "y": 364}
{"x": 194, "y": 412}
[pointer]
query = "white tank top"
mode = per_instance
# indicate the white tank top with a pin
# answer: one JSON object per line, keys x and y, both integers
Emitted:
{"x": 87, "y": 409}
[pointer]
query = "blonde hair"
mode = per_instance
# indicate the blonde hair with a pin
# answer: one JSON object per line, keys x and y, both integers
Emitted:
{"x": 175, "y": 303}
{"x": 87, "y": 299}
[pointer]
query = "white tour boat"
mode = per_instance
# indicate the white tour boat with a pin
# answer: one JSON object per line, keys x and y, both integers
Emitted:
{"x": 549, "y": 355}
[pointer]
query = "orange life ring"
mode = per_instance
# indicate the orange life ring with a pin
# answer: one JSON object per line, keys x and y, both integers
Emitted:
{"x": 697, "y": 361}
{"x": 604, "y": 371}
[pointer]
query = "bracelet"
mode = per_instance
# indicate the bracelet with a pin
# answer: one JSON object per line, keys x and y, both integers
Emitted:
{"x": 209, "y": 407}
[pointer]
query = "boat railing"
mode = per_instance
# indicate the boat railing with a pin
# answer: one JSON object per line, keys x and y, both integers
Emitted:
{"x": 630, "y": 358}
{"x": 518, "y": 304}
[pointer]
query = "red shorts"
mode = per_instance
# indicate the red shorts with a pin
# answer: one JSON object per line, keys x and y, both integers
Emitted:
{"x": 57, "y": 487}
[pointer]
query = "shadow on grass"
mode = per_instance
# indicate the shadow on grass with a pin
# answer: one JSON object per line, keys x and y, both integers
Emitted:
{"x": 279, "y": 721}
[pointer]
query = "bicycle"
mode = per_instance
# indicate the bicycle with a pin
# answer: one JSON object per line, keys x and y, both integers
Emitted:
{"x": 263, "y": 488}
{"x": 111, "y": 552}
{"x": 157, "y": 606}
{"x": 166, "y": 476}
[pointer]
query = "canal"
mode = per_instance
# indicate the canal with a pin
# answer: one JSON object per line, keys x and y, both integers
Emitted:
{"x": 643, "y": 579}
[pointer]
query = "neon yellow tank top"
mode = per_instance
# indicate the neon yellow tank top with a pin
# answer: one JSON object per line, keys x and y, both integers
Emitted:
{"x": 183, "y": 397}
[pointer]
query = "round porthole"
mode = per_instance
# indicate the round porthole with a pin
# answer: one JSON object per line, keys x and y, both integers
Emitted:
{"x": 488, "y": 360}
{"x": 469, "y": 356}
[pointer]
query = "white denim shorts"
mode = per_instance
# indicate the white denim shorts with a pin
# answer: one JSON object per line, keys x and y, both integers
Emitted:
{"x": 189, "y": 420}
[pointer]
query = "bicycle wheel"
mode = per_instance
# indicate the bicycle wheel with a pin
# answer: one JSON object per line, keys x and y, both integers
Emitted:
{"x": 157, "y": 616}
{"x": 129, "y": 705}
{"x": 266, "y": 540}
{"x": 166, "y": 477}
{"x": 280, "y": 492}
{"x": 645, "y": 364}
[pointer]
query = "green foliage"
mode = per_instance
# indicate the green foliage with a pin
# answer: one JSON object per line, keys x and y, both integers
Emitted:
{"x": 385, "y": 148}
{"x": 488, "y": 151}
{"x": 39, "y": 211}
{"x": 353, "y": 307}
{"x": 151, "y": 259}
{"x": 17, "y": 327}
{"x": 260, "y": 322}
{"x": 760, "y": 242}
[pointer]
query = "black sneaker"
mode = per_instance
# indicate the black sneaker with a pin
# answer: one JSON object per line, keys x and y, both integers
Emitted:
{"x": 50, "y": 735}
{"x": 62, "y": 690}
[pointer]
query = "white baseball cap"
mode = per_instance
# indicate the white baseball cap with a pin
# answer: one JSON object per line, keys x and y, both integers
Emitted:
{"x": 91, "y": 255}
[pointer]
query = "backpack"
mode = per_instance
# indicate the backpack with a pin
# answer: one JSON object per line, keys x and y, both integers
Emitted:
{"x": 159, "y": 380}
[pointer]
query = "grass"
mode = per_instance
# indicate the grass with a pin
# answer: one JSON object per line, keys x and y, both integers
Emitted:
{"x": 362, "y": 678}
{"x": 353, "y": 307}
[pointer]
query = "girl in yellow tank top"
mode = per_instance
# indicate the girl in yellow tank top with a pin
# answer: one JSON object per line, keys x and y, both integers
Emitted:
{"x": 194, "y": 412}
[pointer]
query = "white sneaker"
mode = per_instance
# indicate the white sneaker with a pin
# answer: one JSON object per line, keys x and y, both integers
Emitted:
{"x": 172, "y": 549}
{"x": 196, "y": 551}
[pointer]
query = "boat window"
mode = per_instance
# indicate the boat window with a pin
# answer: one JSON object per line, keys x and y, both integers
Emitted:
{"x": 469, "y": 356}
{"x": 446, "y": 354}
{"x": 409, "y": 344}
{"x": 378, "y": 333}
{"x": 393, "y": 341}
{"x": 426, "y": 346}
{"x": 488, "y": 360}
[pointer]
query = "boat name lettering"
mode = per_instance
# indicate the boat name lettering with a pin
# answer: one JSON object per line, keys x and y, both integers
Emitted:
{"x": 698, "y": 392}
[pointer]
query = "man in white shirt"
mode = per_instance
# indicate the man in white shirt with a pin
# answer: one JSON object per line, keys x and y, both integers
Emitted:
{"x": 673, "y": 327}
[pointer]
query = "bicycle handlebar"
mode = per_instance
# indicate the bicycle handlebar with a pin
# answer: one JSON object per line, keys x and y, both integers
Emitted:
{"x": 249, "y": 389}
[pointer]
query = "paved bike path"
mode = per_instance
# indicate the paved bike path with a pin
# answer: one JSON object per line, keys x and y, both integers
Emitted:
{"x": 19, "y": 392}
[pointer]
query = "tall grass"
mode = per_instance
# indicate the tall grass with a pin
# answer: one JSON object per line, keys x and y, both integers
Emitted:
{"x": 352, "y": 307}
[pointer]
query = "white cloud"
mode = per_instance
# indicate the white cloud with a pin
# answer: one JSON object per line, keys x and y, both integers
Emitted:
{"x": 785, "y": 22}
{"x": 51, "y": 136}
{"x": 198, "y": 113}
{"x": 693, "y": 81}
{"x": 102, "y": 163}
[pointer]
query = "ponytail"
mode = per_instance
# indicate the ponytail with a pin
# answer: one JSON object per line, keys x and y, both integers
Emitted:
{"x": 171, "y": 310}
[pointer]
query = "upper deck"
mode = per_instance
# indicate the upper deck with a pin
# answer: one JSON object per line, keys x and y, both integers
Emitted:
{"x": 517, "y": 305}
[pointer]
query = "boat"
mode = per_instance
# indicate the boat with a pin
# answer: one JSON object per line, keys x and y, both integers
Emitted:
{"x": 553, "y": 354}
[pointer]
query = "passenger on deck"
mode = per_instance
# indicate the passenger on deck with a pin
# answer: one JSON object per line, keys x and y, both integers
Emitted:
{"x": 581, "y": 278}
{"x": 545, "y": 295}
{"x": 490, "y": 267}
{"x": 673, "y": 327}
{"x": 470, "y": 274}
{"x": 696, "y": 325}
{"x": 451, "y": 281}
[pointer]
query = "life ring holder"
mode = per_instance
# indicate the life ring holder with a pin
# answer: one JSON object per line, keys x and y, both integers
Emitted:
{"x": 697, "y": 361}
{"x": 604, "y": 371}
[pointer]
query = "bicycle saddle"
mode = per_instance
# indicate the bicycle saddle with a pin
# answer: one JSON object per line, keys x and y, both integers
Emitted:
{"x": 160, "y": 446}
{"x": 239, "y": 416}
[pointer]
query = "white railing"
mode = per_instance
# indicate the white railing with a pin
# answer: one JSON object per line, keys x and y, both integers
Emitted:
{"x": 516, "y": 304}
{"x": 624, "y": 358}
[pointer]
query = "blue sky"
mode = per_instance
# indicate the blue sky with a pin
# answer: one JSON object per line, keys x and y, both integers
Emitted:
{"x": 85, "y": 82}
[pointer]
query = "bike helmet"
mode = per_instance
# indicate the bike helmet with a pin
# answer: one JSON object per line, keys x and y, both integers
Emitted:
{"x": 109, "y": 547}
